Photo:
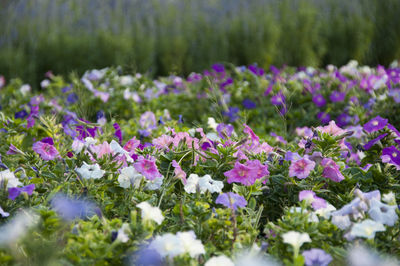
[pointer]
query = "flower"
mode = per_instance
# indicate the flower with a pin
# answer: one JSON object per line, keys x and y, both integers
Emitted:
{"x": 337, "y": 96}
{"x": 301, "y": 168}
{"x": 190, "y": 244}
{"x": 319, "y": 100}
{"x": 224, "y": 131}
{"x": 324, "y": 117}
{"x": 391, "y": 155}
{"x": 3, "y": 213}
{"x": 295, "y": 239}
{"x": 147, "y": 167}
{"x": 150, "y": 213}
{"x": 331, "y": 170}
{"x": 121, "y": 234}
{"x": 383, "y": 213}
{"x": 9, "y": 177}
{"x": 366, "y": 228}
{"x": 14, "y": 192}
{"x": 70, "y": 209}
{"x": 375, "y": 124}
{"x": 88, "y": 171}
{"x": 247, "y": 173}
{"x": 316, "y": 256}
{"x": 118, "y": 132}
{"x": 46, "y": 151}
{"x": 154, "y": 184}
{"x": 389, "y": 198}
{"x": 179, "y": 173}
{"x": 315, "y": 201}
{"x": 203, "y": 184}
{"x": 249, "y": 104}
{"x": 372, "y": 142}
{"x": 231, "y": 200}
{"x": 331, "y": 129}
{"x": 129, "y": 176}
{"x": 17, "y": 227}
{"x": 219, "y": 260}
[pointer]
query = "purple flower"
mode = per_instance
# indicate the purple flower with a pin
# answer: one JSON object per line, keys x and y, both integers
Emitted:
{"x": 70, "y": 209}
{"x": 232, "y": 114}
{"x": 391, "y": 155}
{"x": 241, "y": 174}
{"x": 72, "y": 98}
{"x": 372, "y": 142}
{"x": 301, "y": 168}
{"x": 148, "y": 121}
{"x": 46, "y": 151}
{"x": 256, "y": 70}
{"x": 375, "y": 124}
{"x": 316, "y": 256}
{"x": 118, "y": 132}
{"x": 316, "y": 202}
{"x": 231, "y": 200}
{"x": 331, "y": 170}
{"x": 14, "y": 192}
{"x": 395, "y": 94}
{"x": 13, "y": 150}
{"x": 249, "y": 104}
{"x": 147, "y": 256}
{"x": 219, "y": 68}
{"x": 21, "y": 114}
{"x": 48, "y": 140}
{"x": 337, "y": 96}
{"x": 392, "y": 128}
{"x": 343, "y": 120}
{"x": 324, "y": 117}
{"x": 224, "y": 130}
{"x": 278, "y": 99}
{"x": 319, "y": 100}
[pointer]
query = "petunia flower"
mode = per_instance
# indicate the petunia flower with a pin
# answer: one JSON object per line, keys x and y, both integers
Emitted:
{"x": 295, "y": 239}
{"x": 179, "y": 173}
{"x": 8, "y": 177}
{"x": 88, "y": 171}
{"x": 70, "y": 209}
{"x": 3, "y": 213}
{"x": 324, "y": 117}
{"x": 383, "y": 213}
{"x": 337, "y": 96}
{"x": 129, "y": 177}
{"x": 301, "y": 168}
{"x": 372, "y": 142}
{"x": 316, "y": 256}
{"x": 150, "y": 213}
{"x": 219, "y": 260}
{"x": 319, "y": 100}
{"x": 46, "y": 151}
{"x": 366, "y": 229}
{"x": 375, "y": 124}
{"x": 331, "y": 170}
{"x": 14, "y": 192}
{"x": 154, "y": 184}
{"x": 147, "y": 167}
{"x": 315, "y": 201}
{"x": 391, "y": 155}
{"x": 231, "y": 200}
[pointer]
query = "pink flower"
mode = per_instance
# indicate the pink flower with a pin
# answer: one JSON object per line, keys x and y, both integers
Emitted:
{"x": 254, "y": 138}
{"x": 331, "y": 129}
{"x": 179, "y": 173}
{"x": 46, "y": 151}
{"x": 163, "y": 142}
{"x": 301, "y": 168}
{"x": 131, "y": 145}
{"x": 331, "y": 170}
{"x": 102, "y": 149}
{"x": 311, "y": 197}
{"x": 147, "y": 167}
{"x": 248, "y": 173}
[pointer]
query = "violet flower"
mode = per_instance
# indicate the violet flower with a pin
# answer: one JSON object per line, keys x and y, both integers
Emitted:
{"x": 372, "y": 142}
{"x": 118, "y": 132}
{"x": 249, "y": 104}
{"x": 14, "y": 192}
{"x": 319, "y": 100}
{"x": 375, "y": 124}
{"x": 324, "y": 117}
{"x": 231, "y": 200}
{"x": 70, "y": 209}
{"x": 316, "y": 256}
{"x": 46, "y": 151}
{"x": 391, "y": 155}
{"x": 331, "y": 170}
{"x": 337, "y": 96}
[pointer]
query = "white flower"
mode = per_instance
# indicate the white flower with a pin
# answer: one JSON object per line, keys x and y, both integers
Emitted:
{"x": 126, "y": 80}
{"x": 296, "y": 239}
{"x": 191, "y": 183}
{"x": 117, "y": 149}
{"x": 77, "y": 145}
{"x": 204, "y": 184}
{"x": 312, "y": 217}
{"x": 3, "y": 213}
{"x": 383, "y": 213}
{"x": 122, "y": 236}
{"x": 88, "y": 171}
{"x": 361, "y": 256}
{"x": 150, "y": 213}
{"x": 389, "y": 198}
{"x": 17, "y": 227}
{"x": 326, "y": 212}
{"x": 367, "y": 229}
{"x": 129, "y": 176}
{"x": 212, "y": 124}
{"x": 190, "y": 244}
{"x": 90, "y": 141}
{"x": 219, "y": 261}
{"x": 213, "y": 136}
{"x": 167, "y": 245}
{"x": 207, "y": 183}
{"x": 24, "y": 89}
{"x": 9, "y": 177}
{"x": 340, "y": 221}
{"x": 154, "y": 184}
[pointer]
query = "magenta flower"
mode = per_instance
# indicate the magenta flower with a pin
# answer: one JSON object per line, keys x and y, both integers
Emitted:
{"x": 231, "y": 200}
{"x": 254, "y": 138}
{"x": 375, "y": 124}
{"x": 118, "y": 132}
{"x": 147, "y": 167}
{"x": 301, "y": 168}
{"x": 179, "y": 173}
{"x": 46, "y": 151}
{"x": 131, "y": 145}
{"x": 331, "y": 170}
{"x": 241, "y": 174}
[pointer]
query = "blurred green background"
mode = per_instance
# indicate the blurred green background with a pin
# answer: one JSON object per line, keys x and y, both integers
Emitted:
{"x": 181, "y": 36}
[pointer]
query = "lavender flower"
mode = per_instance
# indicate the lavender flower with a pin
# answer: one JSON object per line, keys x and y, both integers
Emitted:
{"x": 14, "y": 192}
{"x": 231, "y": 200}
{"x": 375, "y": 124}
{"x": 70, "y": 208}
{"x": 316, "y": 256}
{"x": 372, "y": 142}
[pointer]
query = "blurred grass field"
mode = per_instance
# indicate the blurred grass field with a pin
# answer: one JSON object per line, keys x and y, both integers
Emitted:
{"x": 181, "y": 36}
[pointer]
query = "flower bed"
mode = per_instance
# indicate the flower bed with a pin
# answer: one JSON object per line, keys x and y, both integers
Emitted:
{"x": 232, "y": 166}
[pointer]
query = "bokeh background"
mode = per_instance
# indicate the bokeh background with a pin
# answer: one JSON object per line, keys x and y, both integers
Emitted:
{"x": 181, "y": 36}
